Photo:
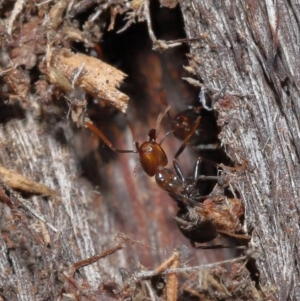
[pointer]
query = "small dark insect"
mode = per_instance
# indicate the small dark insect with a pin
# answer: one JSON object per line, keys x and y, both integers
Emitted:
{"x": 210, "y": 218}
{"x": 202, "y": 218}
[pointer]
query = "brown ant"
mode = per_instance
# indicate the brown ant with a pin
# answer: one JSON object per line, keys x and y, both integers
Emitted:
{"x": 152, "y": 157}
{"x": 205, "y": 135}
{"x": 184, "y": 191}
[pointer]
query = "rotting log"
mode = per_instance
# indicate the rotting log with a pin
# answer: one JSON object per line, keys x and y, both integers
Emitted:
{"x": 43, "y": 237}
{"x": 251, "y": 48}
{"x": 248, "y": 47}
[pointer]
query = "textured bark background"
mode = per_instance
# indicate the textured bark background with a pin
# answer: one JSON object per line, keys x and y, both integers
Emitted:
{"x": 249, "y": 47}
{"x": 96, "y": 196}
{"x": 252, "y": 48}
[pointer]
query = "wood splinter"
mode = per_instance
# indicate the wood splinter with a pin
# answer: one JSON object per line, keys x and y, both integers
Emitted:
{"x": 68, "y": 70}
{"x": 172, "y": 279}
{"x": 20, "y": 182}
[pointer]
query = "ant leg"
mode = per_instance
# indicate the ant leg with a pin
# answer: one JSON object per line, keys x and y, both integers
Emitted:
{"x": 202, "y": 98}
{"x": 196, "y": 169}
{"x": 209, "y": 162}
{"x": 178, "y": 171}
{"x": 164, "y": 137}
{"x": 187, "y": 200}
{"x": 160, "y": 117}
{"x": 162, "y": 98}
{"x": 186, "y": 140}
{"x": 210, "y": 178}
{"x": 239, "y": 236}
{"x": 225, "y": 167}
{"x": 96, "y": 131}
{"x": 196, "y": 174}
{"x": 221, "y": 246}
{"x": 207, "y": 146}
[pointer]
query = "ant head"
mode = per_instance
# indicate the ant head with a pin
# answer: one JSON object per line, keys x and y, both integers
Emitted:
{"x": 152, "y": 135}
{"x": 182, "y": 124}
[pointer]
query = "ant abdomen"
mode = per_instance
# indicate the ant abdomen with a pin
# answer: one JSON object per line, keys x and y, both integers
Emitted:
{"x": 193, "y": 228}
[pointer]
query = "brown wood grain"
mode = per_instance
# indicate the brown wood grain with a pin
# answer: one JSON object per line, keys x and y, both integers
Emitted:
{"x": 251, "y": 47}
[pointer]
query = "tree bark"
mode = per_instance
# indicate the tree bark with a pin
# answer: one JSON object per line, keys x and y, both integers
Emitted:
{"x": 44, "y": 235}
{"x": 251, "y": 48}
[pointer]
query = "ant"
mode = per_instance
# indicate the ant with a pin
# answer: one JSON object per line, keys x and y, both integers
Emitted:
{"x": 202, "y": 218}
{"x": 205, "y": 135}
{"x": 152, "y": 157}
{"x": 215, "y": 216}
{"x": 184, "y": 192}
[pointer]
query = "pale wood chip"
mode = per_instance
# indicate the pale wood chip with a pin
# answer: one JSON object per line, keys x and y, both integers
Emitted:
{"x": 17, "y": 181}
{"x": 94, "y": 76}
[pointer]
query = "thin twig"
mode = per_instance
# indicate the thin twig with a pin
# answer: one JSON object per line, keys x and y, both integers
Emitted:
{"x": 146, "y": 274}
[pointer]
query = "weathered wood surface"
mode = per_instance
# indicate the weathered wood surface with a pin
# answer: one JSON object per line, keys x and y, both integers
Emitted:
{"x": 42, "y": 237}
{"x": 252, "y": 48}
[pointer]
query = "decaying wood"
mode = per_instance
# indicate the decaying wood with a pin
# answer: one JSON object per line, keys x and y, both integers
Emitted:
{"x": 67, "y": 230}
{"x": 42, "y": 237}
{"x": 17, "y": 181}
{"x": 251, "y": 47}
{"x": 94, "y": 76}
{"x": 17, "y": 9}
{"x": 172, "y": 279}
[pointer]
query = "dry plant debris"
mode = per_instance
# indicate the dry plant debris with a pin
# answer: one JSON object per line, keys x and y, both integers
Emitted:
{"x": 203, "y": 282}
{"x": 39, "y": 237}
{"x": 216, "y": 215}
{"x": 74, "y": 289}
{"x": 168, "y": 3}
{"x": 94, "y": 76}
{"x": 47, "y": 38}
{"x": 17, "y": 181}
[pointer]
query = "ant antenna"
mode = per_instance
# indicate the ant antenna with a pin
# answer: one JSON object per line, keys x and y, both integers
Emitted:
{"x": 169, "y": 115}
{"x": 105, "y": 140}
{"x": 187, "y": 138}
{"x": 131, "y": 128}
{"x": 164, "y": 137}
{"x": 162, "y": 97}
{"x": 160, "y": 117}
